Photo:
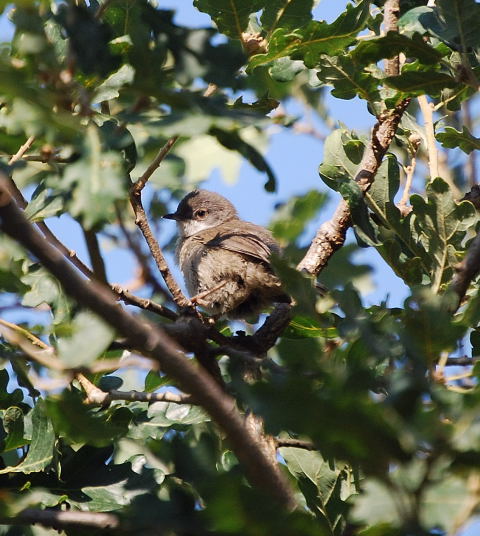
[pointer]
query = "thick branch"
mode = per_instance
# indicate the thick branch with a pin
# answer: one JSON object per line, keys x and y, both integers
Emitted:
{"x": 153, "y": 340}
{"x": 391, "y": 13}
{"x": 331, "y": 235}
{"x": 60, "y": 519}
{"x": 467, "y": 270}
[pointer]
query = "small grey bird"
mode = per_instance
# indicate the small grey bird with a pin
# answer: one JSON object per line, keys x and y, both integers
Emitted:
{"x": 225, "y": 260}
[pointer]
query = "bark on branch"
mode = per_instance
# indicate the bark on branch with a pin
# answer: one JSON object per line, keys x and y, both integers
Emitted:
{"x": 467, "y": 270}
{"x": 61, "y": 519}
{"x": 331, "y": 235}
{"x": 142, "y": 223}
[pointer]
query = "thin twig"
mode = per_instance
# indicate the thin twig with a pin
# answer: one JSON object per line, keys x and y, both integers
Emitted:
{"x": 23, "y": 149}
{"x": 427, "y": 112}
{"x": 463, "y": 361}
{"x": 45, "y": 357}
{"x": 95, "y": 395}
{"x": 144, "y": 303}
{"x": 142, "y": 222}
{"x": 409, "y": 171}
{"x": 471, "y": 166}
{"x": 45, "y": 158}
{"x": 331, "y": 235}
{"x": 470, "y": 505}
{"x": 96, "y": 259}
{"x": 162, "y": 153}
{"x": 25, "y": 333}
{"x": 107, "y": 365}
{"x": 295, "y": 443}
{"x": 75, "y": 260}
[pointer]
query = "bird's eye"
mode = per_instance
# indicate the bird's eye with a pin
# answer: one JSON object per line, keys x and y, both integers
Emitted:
{"x": 200, "y": 214}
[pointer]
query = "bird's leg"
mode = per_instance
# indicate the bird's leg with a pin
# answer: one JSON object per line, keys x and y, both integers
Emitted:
{"x": 199, "y": 298}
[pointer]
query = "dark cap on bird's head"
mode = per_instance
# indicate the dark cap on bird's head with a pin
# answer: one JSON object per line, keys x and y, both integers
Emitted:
{"x": 202, "y": 209}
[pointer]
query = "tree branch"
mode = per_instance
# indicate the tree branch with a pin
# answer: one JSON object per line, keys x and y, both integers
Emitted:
{"x": 463, "y": 361}
{"x": 143, "y": 225}
{"x": 23, "y": 149}
{"x": 331, "y": 235}
{"x": 60, "y": 519}
{"x": 391, "y": 13}
{"x": 144, "y": 303}
{"x": 295, "y": 443}
{"x": 95, "y": 255}
{"x": 466, "y": 270}
{"x": 427, "y": 112}
{"x": 95, "y": 395}
{"x": 143, "y": 261}
{"x": 152, "y": 339}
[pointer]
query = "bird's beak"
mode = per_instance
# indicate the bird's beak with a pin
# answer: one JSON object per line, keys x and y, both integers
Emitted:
{"x": 172, "y": 216}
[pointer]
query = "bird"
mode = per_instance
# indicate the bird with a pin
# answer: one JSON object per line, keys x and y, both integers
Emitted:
{"x": 225, "y": 260}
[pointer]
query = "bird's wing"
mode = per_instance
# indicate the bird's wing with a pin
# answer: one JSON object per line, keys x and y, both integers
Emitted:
{"x": 247, "y": 239}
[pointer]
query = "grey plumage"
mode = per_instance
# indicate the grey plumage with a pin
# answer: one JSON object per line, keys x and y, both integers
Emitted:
{"x": 218, "y": 252}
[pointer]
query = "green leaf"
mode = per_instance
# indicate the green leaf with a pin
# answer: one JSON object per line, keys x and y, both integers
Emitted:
{"x": 44, "y": 204}
{"x": 90, "y": 425}
{"x": 287, "y": 14}
{"x": 442, "y": 500}
{"x": 44, "y": 288}
{"x": 109, "y": 89}
{"x": 89, "y": 37}
{"x": 342, "y": 154}
{"x": 364, "y": 229}
{"x": 90, "y": 337}
{"x": 232, "y": 140}
{"x": 285, "y": 69}
{"x": 292, "y": 217}
{"x": 316, "y": 38}
{"x": 324, "y": 486}
{"x": 392, "y": 44}
{"x": 298, "y": 285}
{"x": 452, "y": 138}
{"x": 346, "y": 78}
{"x": 7, "y": 399}
{"x": 230, "y": 16}
{"x": 421, "y": 82}
{"x": 440, "y": 224}
{"x": 452, "y": 21}
{"x": 167, "y": 414}
{"x": 96, "y": 181}
{"x": 302, "y": 327}
{"x": 13, "y": 424}
{"x": 40, "y": 452}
